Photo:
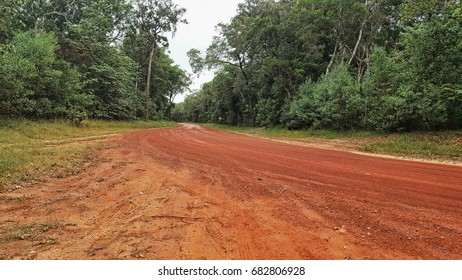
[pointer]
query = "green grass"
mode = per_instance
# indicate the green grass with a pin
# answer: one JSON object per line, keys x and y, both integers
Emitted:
{"x": 280, "y": 132}
{"x": 239, "y": 129}
{"x": 32, "y": 149}
{"x": 324, "y": 134}
{"x": 61, "y": 129}
{"x": 441, "y": 145}
{"x": 433, "y": 145}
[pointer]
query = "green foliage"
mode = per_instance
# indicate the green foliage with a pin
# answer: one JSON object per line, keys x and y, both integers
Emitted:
{"x": 416, "y": 88}
{"x": 151, "y": 20}
{"x": 388, "y": 65}
{"x": 10, "y": 23}
{"x": 111, "y": 79}
{"x": 277, "y": 80}
{"x": 333, "y": 102}
{"x": 380, "y": 87}
{"x": 64, "y": 58}
{"x": 433, "y": 49}
{"x": 219, "y": 101}
{"x": 36, "y": 84}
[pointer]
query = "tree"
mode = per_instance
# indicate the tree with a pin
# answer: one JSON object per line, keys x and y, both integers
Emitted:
{"x": 431, "y": 49}
{"x": 75, "y": 46}
{"x": 416, "y": 86}
{"x": 171, "y": 80}
{"x": 256, "y": 36}
{"x": 178, "y": 82}
{"x": 235, "y": 47}
{"x": 152, "y": 19}
{"x": 35, "y": 83}
{"x": 89, "y": 38}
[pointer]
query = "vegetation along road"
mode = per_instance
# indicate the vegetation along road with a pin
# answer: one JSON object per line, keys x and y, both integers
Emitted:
{"x": 191, "y": 192}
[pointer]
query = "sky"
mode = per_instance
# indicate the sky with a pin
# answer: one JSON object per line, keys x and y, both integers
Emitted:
{"x": 203, "y": 16}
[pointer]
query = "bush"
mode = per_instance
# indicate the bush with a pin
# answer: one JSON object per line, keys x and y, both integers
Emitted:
{"x": 35, "y": 83}
{"x": 333, "y": 102}
{"x": 400, "y": 96}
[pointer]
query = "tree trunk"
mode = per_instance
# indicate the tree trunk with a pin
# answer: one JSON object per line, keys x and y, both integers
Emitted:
{"x": 332, "y": 57}
{"x": 361, "y": 30}
{"x": 148, "y": 83}
{"x": 168, "y": 112}
{"x": 360, "y": 36}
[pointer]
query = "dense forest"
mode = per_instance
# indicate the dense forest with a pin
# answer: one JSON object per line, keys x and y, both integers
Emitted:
{"x": 387, "y": 65}
{"x": 78, "y": 59}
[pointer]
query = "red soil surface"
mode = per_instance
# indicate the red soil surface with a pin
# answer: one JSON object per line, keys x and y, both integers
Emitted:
{"x": 195, "y": 193}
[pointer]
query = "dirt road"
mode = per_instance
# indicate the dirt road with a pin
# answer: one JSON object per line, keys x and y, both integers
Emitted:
{"x": 196, "y": 193}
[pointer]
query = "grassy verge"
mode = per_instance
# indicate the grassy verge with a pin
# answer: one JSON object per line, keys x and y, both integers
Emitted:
{"x": 53, "y": 148}
{"x": 279, "y": 132}
{"x": 441, "y": 145}
{"x": 446, "y": 145}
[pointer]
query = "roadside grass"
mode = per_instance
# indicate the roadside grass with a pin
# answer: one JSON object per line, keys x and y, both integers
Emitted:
{"x": 443, "y": 145}
{"x": 240, "y": 129}
{"x": 30, "y": 149}
{"x": 323, "y": 134}
{"x": 439, "y": 145}
{"x": 281, "y": 132}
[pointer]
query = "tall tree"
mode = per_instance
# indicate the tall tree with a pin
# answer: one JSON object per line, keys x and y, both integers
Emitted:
{"x": 152, "y": 20}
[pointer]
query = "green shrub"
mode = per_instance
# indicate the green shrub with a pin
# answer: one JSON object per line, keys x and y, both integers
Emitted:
{"x": 333, "y": 102}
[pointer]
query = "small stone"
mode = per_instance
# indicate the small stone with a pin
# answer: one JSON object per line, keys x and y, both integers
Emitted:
{"x": 25, "y": 236}
{"x": 32, "y": 254}
{"x": 341, "y": 229}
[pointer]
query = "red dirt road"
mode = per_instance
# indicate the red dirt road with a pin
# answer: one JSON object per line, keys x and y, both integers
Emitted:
{"x": 196, "y": 193}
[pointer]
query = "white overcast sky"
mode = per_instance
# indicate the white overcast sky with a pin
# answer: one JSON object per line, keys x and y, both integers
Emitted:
{"x": 203, "y": 16}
